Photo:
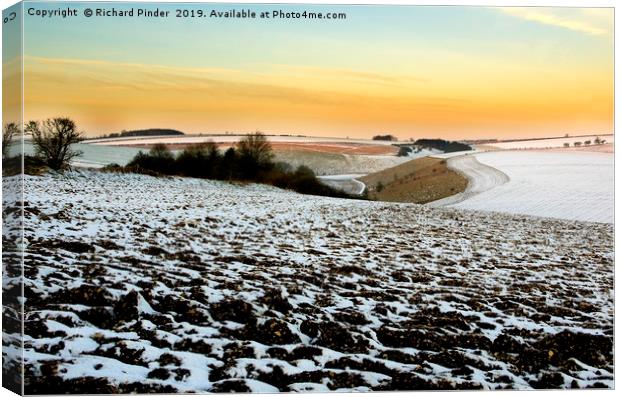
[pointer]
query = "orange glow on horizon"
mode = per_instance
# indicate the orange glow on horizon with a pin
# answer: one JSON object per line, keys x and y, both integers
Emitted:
{"x": 105, "y": 97}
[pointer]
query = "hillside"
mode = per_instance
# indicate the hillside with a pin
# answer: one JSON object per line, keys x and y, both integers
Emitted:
{"x": 417, "y": 181}
{"x": 142, "y": 284}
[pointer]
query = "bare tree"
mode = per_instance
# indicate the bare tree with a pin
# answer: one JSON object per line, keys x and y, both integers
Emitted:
{"x": 9, "y": 131}
{"x": 255, "y": 155}
{"x": 256, "y": 147}
{"x": 52, "y": 140}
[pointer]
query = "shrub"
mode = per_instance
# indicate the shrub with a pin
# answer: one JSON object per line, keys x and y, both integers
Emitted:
{"x": 199, "y": 160}
{"x": 228, "y": 168}
{"x": 52, "y": 140}
{"x": 159, "y": 159}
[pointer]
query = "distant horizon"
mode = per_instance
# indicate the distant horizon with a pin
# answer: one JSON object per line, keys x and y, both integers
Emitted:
{"x": 457, "y": 72}
{"x": 268, "y": 134}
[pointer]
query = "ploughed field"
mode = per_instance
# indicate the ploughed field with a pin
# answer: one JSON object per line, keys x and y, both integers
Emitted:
{"x": 142, "y": 284}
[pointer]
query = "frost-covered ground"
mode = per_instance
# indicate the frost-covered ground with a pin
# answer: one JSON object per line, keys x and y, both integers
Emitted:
{"x": 136, "y": 283}
{"x": 567, "y": 185}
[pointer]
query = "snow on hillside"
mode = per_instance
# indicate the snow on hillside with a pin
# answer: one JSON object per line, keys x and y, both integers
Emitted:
{"x": 565, "y": 185}
{"x": 141, "y": 284}
{"x": 339, "y": 164}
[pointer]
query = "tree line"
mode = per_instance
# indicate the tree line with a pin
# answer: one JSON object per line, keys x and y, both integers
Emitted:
{"x": 444, "y": 146}
{"x": 251, "y": 159}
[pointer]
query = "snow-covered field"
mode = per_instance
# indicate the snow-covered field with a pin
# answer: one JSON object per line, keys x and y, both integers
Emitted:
{"x": 95, "y": 156}
{"x": 187, "y": 139}
{"x": 568, "y": 185}
{"x": 550, "y": 143}
{"x": 141, "y": 284}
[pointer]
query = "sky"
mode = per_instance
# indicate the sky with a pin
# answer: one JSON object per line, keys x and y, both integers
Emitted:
{"x": 411, "y": 71}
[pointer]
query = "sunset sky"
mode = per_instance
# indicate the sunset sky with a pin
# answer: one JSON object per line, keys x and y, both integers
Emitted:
{"x": 451, "y": 72}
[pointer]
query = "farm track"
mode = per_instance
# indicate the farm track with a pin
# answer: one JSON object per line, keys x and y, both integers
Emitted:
{"x": 480, "y": 178}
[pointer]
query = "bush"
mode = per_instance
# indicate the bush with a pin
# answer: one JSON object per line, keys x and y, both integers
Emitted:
{"x": 199, "y": 160}
{"x": 228, "y": 168}
{"x": 52, "y": 140}
{"x": 159, "y": 159}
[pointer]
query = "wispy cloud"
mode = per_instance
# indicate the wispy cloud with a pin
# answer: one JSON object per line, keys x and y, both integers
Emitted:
{"x": 358, "y": 76}
{"x": 589, "y": 21}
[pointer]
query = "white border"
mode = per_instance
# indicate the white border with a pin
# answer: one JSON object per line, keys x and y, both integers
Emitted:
{"x": 523, "y": 3}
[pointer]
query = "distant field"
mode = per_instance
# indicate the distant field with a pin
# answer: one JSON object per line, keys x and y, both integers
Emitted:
{"x": 323, "y": 147}
{"x": 549, "y": 143}
{"x": 417, "y": 181}
{"x": 188, "y": 139}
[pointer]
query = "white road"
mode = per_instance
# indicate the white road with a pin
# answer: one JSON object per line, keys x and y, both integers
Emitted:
{"x": 481, "y": 178}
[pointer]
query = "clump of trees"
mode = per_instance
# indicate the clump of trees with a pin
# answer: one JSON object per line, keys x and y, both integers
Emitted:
{"x": 250, "y": 160}
{"x": 52, "y": 140}
{"x": 444, "y": 146}
{"x": 388, "y": 137}
{"x": 147, "y": 132}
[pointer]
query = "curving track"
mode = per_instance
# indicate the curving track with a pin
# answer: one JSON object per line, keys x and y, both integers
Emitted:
{"x": 481, "y": 178}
